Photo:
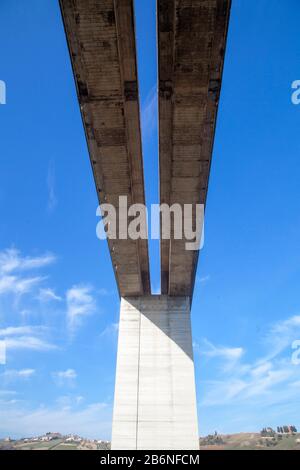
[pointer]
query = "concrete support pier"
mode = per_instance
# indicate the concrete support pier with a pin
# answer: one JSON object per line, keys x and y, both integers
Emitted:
{"x": 155, "y": 400}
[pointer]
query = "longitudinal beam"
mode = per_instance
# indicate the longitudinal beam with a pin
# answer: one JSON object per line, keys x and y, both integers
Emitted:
{"x": 191, "y": 46}
{"x": 101, "y": 38}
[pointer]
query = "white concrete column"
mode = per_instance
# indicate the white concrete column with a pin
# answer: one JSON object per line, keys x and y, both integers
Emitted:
{"x": 155, "y": 400}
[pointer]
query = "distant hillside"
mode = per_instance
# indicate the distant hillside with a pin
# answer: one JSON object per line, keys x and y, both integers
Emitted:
{"x": 54, "y": 441}
{"x": 250, "y": 441}
{"x": 241, "y": 441}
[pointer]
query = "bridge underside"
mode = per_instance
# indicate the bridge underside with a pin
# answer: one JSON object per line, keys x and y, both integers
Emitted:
{"x": 101, "y": 38}
{"x": 191, "y": 47}
{"x": 155, "y": 401}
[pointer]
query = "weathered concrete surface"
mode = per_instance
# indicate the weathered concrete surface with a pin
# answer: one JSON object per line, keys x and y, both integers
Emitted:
{"x": 101, "y": 40}
{"x": 191, "y": 46}
{"x": 155, "y": 399}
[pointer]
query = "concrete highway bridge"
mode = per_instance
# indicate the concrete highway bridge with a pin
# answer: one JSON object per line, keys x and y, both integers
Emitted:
{"x": 155, "y": 400}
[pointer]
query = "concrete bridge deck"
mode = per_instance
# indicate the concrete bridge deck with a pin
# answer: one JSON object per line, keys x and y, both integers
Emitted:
{"x": 101, "y": 39}
{"x": 191, "y": 47}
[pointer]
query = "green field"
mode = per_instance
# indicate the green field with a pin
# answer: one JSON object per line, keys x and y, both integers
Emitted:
{"x": 250, "y": 441}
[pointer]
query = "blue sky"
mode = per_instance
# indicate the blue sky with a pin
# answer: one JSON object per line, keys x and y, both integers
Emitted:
{"x": 58, "y": 300}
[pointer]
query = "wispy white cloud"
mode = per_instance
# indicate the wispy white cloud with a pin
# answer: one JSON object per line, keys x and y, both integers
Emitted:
{"x": 12, "y": 267}
{"x": 203, "y": 279}
{"x": 30, "y": 343}
{"x": 156, "y": 290}
{"x": 13, "y": 374}
{"x": 228, "y": 356}
{"x": 65, "y": 377}
{"x": 80, "y": 303}
{"x": 149, "y": 113}
{"x": 47, "y": 295}
{"x": 10, "y": 402}
{"x": 19, "y": 330}
{"x": 7, "y": 393}
{"x": 67, "y": 402}
{"x": 21, "y": 274}
{"x": 2, "y": 352}
{"x": 77, "y": 302}
{"x": 110, "y": 331}
{"x": 79, "y": 399}
{"x": 66, "y": 374}
{"x": 281, "y": 335}
{"x": 11, "y": 261}
{"x": 104, "y": 292}
{"x": 91, "y": 421}
{"x": 241, "y": 390}
{"x": 26, "y": 338}
{"x": 266, "y": 380}
{"x": 225, "y": 353}
{"x": 25, "y": 312}
{"x": 17, "y": 285}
